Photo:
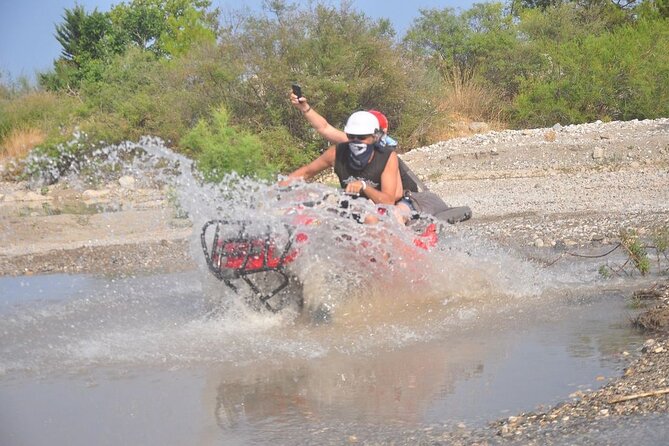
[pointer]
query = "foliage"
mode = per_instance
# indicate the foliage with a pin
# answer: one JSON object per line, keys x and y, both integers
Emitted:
{"x": 474, "y": 53}
{"x": 221, "y": 148}
{"x": 138, "y": 95}
{"x": 46, "y": 111}
{"x": 165, "y": 28}
{"x": 344, "y": 61}
{"x": 159, "y": 67}
{"x": 660, "y": 240}
{"x": 283, "y": 151}
{"x": 599, "y": 77}
{"x": 90, "y": 40}
{"x": 636, "y": 250}
{"x": 457, "y": 45}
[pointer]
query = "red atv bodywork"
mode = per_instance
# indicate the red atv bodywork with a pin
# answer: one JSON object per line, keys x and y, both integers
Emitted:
{"x": 242, "y": 255}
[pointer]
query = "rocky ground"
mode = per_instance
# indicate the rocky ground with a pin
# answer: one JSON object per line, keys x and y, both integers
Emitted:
{"x": 547, "y": 192}
{"x": 114, "y": 229}
{"x": 576, "y": 185}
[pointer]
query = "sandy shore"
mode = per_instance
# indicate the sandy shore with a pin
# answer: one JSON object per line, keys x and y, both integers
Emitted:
{"x": 543, "y": 190}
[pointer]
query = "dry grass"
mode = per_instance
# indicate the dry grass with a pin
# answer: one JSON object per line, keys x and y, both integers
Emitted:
{"x": 463, "y": 103}
{"x": 19, "y": 142}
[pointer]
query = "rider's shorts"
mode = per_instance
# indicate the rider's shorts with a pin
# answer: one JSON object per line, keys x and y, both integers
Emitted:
{"x": 407, "y": 202}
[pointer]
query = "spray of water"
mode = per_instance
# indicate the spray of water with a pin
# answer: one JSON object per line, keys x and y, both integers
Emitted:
{"x": 378, "y": 287}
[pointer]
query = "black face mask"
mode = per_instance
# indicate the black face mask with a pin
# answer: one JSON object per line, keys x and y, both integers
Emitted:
{"x": 359, "y": 154}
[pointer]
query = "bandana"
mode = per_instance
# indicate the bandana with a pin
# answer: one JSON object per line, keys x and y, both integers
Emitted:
{"x": 359, "y": 154}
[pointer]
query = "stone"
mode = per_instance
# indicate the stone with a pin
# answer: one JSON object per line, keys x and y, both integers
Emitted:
{"x": 598, "y": 153}
{"x": 91, "y": 194}
{"x": 26, "y": 196}
{"x": 127, "y": 182}
{"x": 648, "y": 345}
{"x": 479, "y": 127}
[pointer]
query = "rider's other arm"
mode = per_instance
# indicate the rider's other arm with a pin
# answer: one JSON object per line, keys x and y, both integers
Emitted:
{"x": 321, "y": 163}
{"x": 318, "y": 122}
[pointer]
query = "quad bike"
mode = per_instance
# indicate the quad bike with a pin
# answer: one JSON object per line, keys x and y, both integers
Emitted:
{"x": 238, "y": 253}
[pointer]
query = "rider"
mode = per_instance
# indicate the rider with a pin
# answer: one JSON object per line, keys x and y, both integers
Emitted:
{"x": 413, "y": 187}
{"x": 409, "y": 180}
{"x": 361, "y": 167}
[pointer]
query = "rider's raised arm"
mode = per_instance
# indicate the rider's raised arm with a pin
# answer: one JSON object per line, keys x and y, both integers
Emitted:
{"x": 317, "y": 121}
{"x": 321, "y": 163}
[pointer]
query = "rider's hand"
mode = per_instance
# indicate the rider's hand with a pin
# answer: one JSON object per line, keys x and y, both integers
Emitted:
{"x": 300, "y": 103}
{"x": 286, "y": 182}
{"x": 354, "y": 187}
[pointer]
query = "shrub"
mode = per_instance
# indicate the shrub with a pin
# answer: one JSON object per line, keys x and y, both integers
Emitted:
{"x": 621, "y": 75}
{"x": 283, "y": 151}
{"x": 220, "y": 148}
{"x": 43, "y": 111}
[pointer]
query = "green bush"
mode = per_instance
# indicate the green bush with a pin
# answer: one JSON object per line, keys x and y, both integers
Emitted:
{"x": 344, "y": 60}
{"x": 283, "y": 151}
{"x": 148, "y": 96}
{"x": 221, "y": 148}
{"x": 46, "y": 111}
{"x": 620, "y": 75}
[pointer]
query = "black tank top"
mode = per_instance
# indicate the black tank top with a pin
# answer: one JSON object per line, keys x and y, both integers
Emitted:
{"x": 370, "y": 173}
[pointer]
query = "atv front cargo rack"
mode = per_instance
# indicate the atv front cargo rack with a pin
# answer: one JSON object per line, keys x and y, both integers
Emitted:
{"x": 243, "y": 256}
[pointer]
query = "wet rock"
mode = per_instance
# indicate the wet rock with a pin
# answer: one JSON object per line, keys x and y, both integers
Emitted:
{"x": 29, "y": 195}
{"x": 648, "y": 345}
{"x": 560, "y": 246}
{"x": 91, "y": 194}
{"x": 127, "y": 182}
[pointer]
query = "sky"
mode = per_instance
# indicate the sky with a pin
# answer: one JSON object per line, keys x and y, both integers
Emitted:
{"x": 27, "y": 27}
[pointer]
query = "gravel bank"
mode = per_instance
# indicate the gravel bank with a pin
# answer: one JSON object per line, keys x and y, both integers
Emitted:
{"x": 576, "y": 184}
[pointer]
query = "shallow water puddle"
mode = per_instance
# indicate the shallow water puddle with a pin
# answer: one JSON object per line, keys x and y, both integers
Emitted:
{"x": 88, "y": 360}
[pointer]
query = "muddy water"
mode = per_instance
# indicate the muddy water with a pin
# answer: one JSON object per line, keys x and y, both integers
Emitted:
{"x": 417, "y": 341}
{"x": 95, "y": 360}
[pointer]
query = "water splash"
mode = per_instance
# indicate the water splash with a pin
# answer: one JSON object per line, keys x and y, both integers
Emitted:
{"x": 381, "y": 289}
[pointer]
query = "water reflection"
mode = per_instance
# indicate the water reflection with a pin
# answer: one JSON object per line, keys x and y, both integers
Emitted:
{"x": 470, "y": 375}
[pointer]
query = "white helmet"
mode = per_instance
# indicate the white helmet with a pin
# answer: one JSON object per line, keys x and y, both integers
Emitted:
{"x": 361, "y": 123}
